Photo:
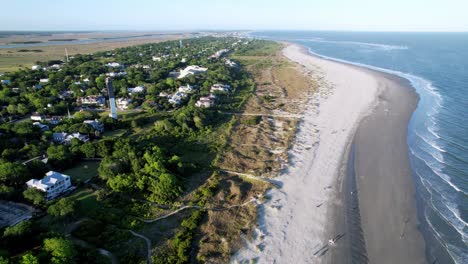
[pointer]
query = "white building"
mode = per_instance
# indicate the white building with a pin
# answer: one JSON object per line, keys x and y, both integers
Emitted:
{"x": 177, "y": 98}
{"x": 138, "y": 89}
{"x": 191, "y": 70}
{"x": 186, "y": 89}
{"x": 113, "y": 64}
{"x": 37, "y": 117}
{"x": 53, "y": 184}
{"x": 45, "y": 80}
{"x": 92, "y": 100}
{"x": 224, "y": 88}
{"x": 65, "y": 138}
{"x": 123, "y": 103}
{"x": 36, "y": 67}
{"x": 156, "y": 58}
{"x": 206, "y": 101}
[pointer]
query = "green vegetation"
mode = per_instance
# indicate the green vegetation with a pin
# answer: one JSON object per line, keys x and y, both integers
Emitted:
{"x": 154, "y": 159}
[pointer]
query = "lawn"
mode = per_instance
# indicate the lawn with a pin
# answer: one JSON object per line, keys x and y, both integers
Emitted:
{"x": 85, "y": 170}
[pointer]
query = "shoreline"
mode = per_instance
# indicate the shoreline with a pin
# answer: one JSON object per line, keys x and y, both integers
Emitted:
{"x": 298, "y": 220}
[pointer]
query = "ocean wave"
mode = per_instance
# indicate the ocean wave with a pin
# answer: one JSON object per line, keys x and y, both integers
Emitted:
{"x": 379, "y": 46}
{"x": 436, "y": 171}
{"x": 459, "y": 257}
{"x": 446, "y": 212}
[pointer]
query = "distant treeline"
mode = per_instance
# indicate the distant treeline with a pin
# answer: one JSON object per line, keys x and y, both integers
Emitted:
{"x": 69, "y": 39}
{"x": 28, "y": 50}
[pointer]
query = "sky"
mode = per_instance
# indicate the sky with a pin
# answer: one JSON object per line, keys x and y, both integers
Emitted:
{"x": 146, "y": 15}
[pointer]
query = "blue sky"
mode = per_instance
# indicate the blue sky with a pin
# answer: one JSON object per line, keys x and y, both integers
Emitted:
{"x": 373, "y": 15}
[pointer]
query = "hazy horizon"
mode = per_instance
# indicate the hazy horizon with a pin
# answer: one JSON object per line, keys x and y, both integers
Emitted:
{"x": 184, "y": 15}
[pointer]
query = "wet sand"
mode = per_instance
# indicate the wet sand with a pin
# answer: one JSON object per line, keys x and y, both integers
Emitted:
{"x": 385, "y": 187}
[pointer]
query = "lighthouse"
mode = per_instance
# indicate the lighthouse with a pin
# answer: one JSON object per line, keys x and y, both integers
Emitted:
{"x": 110, "y": 91}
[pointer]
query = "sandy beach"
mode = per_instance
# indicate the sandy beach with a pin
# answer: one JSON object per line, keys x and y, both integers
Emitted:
{"x": 300, "y": 218}
{"x": 384, "y": 181}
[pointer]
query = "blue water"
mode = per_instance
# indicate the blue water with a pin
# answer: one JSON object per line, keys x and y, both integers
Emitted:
{"x": 437, "y": 66}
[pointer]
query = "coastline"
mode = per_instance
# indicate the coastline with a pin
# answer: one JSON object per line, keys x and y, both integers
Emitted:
{"x": 384, "y": 178}
{"x": 298, "y": 220}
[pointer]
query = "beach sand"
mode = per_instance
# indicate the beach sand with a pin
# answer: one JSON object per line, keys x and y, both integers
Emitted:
{"x": 385, "y": 187}
{"x": 298, "y": 219}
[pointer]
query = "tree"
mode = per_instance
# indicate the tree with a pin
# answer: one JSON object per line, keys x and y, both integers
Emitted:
{"x": 29, "y": 258}
{"x": 18, "y": 229}
{"x": 34, "y": 195}
{"x": 62, "y": 207}
{"x": 88, "y": 149}
{"x": 13, "y": 173}
{"x": 61, "y": 249}
{"x": 59, "y": 155}
{"x": 166, "y": 189}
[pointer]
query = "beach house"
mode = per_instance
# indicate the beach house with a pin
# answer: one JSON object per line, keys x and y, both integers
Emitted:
{"x": 95, "y": 124}
{"x": 223, "y": 88}
{"x": 53, "y": 184}
{"x": 191, "y": 70}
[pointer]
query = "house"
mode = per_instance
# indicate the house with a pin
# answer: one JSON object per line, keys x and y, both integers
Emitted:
{"x": 138, "y": 89}
{"x": 66, "y": 138}
{"x": 219, "y": 53}
{"x": 164, "y": 94}
{"x": 177, "y": 98}
{"x": 186, "y": 89}
{"x": 36, "y": 67}
{"x": 53, "y": 184}
{"x": 191, "y": 70}
{"x": 45, "y": 80}
{"x": 113, "y": 64}
{"x": 230, "y": 63}
{"x": 98, "y": 126}
{"x": 54, "y": 120}
{"x": 38, "y": 86}
{"x": 37, "y": 117}
{"x": 206, "y": 101}
{"x": 41, "y": 126}
{"x": 55, "y": 66}
{"x": 116, "y": 74}
{"x": 223, "y": 88}
{"x": 92, "y": 100}
{"x": 156, "y": 58}
{"x": 123, "y": 103}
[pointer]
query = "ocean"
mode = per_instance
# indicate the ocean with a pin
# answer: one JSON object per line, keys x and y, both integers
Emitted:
{"x": 436, "y": 64}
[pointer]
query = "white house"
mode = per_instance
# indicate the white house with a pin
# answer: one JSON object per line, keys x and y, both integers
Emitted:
{"x": 122, "y": 103}
{"x": 206, "y": 101}
{"x": 219, "y": 53}
{"x": 191, "y": 70}
{"x": 113, "y": 64}
{"x": 45, "y": 80}
{"x": 98, "y": 126}
{"x": 116, "y": 74}
{"x": 92, "y": 100}
{"x": 224, "y": 88}
{"x": 53, "y": 184}
{"x": 177, "y": 98}
{"x": 156, "y": 58}
{"x": 37, "y": 117}
{"x": 138, "y": 89}
{"x": 186, "y": 89}
{"x": 36, "y": 67}
{"x": 65, "y": 138}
